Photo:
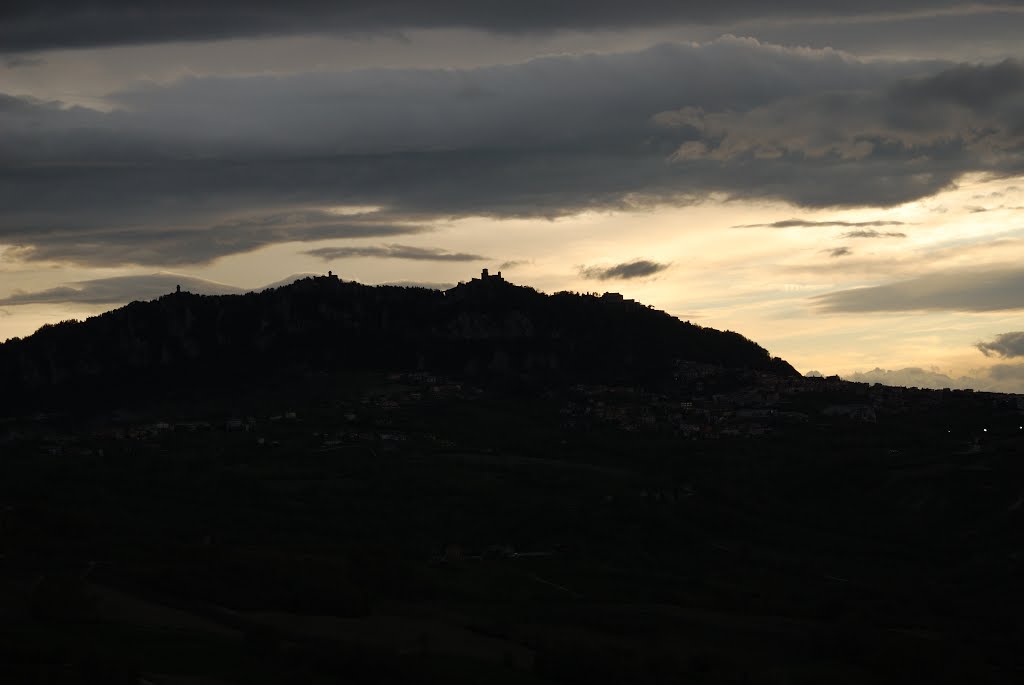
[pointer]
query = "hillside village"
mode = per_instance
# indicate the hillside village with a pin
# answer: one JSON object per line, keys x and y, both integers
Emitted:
{"x": 700, "y": 402}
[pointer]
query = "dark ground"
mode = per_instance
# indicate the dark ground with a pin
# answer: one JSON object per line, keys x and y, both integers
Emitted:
{"x": 468, "y": 536}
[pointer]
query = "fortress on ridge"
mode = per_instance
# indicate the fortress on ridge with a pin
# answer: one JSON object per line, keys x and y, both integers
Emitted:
{"x": 485, "y": 276}
{"x": 489, "y": 279}
{"x": 488, "y": 285}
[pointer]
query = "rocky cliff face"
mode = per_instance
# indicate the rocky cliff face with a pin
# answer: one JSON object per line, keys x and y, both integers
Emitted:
{"x": 327, "y": 323}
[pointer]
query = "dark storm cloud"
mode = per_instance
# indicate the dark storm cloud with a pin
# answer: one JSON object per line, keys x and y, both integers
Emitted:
{"x": 162, "y": 179}
{"x": 887, "y": 129}
{"x": 638, "y": 268}
{"x": 955, "y": 31}
{"x": 31, "y": 25}
{"x": 804, "y": 223}
{"x": 979, "y": 289}
{"x": 395, "y": 252}
{"x": 839, "y": 252}
{"x": 562, "y": 101}
{"x": 872, "y": 233}
{"x": 119, "y": 289}
{"x": 945, "y": 125}
{"x": 1005, "y": 345}
{"x": 156, "y": 245}
{"x": 977, "y": 87}
{"x": 206, "y": 167}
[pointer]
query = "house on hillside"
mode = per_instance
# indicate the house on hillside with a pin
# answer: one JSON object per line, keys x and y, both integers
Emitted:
{"x": 616, "y": 298}
{"x": 854, "y": 412}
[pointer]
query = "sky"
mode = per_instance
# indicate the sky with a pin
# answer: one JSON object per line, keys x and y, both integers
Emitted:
{"x": 841, "y": 182}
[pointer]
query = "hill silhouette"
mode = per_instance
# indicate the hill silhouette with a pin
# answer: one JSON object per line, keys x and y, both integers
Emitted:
{"x": 576, "y": 489}
{"x": 487, "y": 328}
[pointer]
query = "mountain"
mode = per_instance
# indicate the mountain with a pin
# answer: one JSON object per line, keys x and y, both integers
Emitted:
{"x": 487, "y": 328}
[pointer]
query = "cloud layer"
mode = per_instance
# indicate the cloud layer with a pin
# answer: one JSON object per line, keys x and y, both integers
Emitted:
{"x": 1005, "y": 345}
{"x": 173, "y": 237}
{"x": 190, "y": 171}
{"x": 638, "y": 268}
{"x": 806, "y": 223}
{"x": 395, "y": 252}
{"x": 28, "y": 25}
{"x": 997, "y": 378}
{"x": 912, "y": 377}
{"x": 971, "y": 290}
{"x": 871, "y": 233}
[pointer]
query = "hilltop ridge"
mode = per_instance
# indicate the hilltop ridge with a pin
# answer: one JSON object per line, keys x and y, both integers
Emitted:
{"x": 485, "y": 328}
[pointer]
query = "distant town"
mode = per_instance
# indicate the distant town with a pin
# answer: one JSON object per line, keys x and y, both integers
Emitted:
{"x": 701, "y": 402}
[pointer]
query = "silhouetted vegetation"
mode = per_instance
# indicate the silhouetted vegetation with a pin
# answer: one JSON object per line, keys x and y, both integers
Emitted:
{"x": 490, "y": 329}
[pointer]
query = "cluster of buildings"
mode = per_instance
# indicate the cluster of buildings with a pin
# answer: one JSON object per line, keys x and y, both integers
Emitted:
{"x": 707, "y": 402}
{"x": 699, "y": 402}
{"x": 696, "y": 417}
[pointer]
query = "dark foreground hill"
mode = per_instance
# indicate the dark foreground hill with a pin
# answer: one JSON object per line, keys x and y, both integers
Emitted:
{"x": 486, "y": 329}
